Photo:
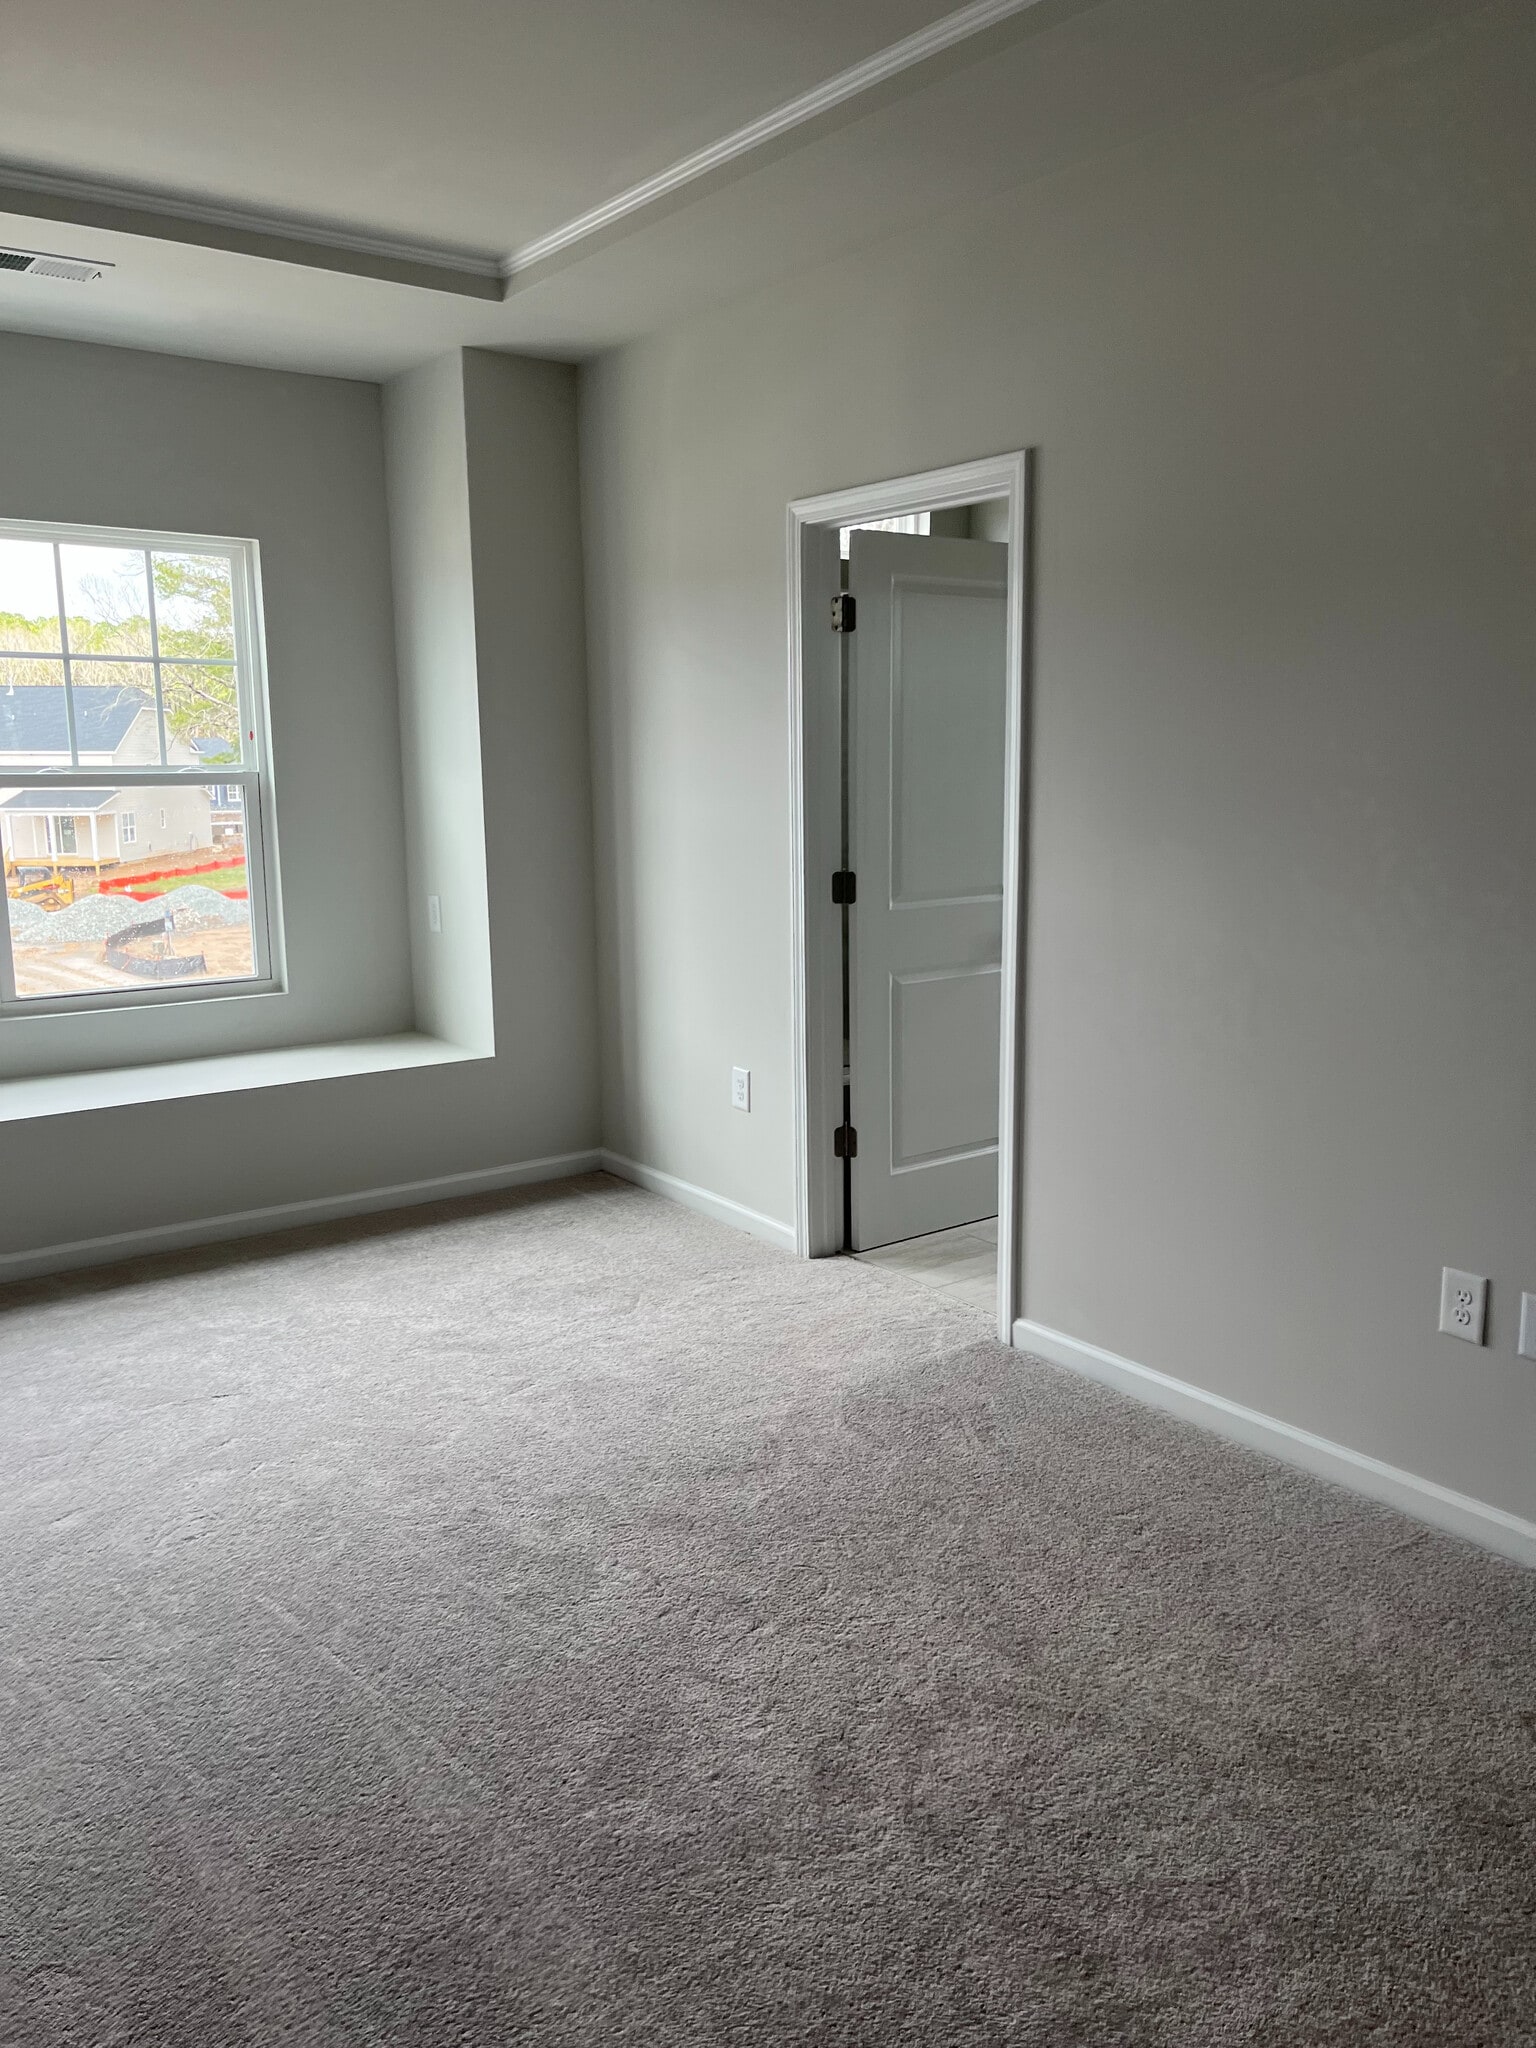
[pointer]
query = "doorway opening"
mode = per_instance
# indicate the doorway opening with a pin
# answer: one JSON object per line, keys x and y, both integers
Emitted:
{"x": 908, "y": 723}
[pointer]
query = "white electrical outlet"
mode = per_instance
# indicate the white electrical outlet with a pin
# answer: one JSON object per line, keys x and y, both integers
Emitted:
{"x": 1463, "y": 1305}
{"x": 1528, "y": 1326}
{"x": 741, "y": 1088}
{"x": 434, "y": 913}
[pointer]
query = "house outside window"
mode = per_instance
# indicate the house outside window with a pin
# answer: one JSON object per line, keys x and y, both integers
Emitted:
{"x": 130, "y": 673}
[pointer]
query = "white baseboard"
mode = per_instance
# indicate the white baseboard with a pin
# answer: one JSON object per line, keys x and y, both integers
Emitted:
{"x": 716, "y": 1206}
{"x": 443, "y": 1187}
{"x": 1493, "y": 1527}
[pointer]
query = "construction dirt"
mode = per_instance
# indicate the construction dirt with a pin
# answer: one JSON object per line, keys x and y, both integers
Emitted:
{"x": 43, "y": 971}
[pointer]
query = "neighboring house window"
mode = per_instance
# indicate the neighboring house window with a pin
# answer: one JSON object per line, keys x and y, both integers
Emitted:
{"x": 131, "y": 665}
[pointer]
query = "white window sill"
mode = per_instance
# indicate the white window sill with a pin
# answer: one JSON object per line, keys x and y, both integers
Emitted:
{"x": 113, "y": 1087}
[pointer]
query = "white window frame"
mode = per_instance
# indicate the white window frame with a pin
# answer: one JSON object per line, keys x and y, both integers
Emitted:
{"x": 127, "y": 828}
{"x": 252, "y": 776}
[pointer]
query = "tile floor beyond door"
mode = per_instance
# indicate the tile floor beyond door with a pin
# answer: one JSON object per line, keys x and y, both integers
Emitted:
{"x": 960, "y": 1264}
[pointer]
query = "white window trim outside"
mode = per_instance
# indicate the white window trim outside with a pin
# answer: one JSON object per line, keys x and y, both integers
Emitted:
{"x": 127, "y": 828}
{"x": 252, "y": 776}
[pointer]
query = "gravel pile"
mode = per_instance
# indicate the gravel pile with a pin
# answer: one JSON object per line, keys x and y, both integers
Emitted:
{"x": 27, "y": 920}
{"x": 93, "y": 917}
{"x": 196, "y": 909}
{"x": 200, "y": 910}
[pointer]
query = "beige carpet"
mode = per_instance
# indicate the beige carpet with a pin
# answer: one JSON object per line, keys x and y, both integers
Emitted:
{"x": 562, "y": 1621}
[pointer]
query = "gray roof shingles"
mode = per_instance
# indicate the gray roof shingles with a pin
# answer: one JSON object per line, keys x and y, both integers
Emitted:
{"x": 33, "y": 721}
{"x": 60, "y": 803}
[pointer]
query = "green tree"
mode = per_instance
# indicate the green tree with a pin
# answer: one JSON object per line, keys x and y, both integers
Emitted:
{"x": 22, "y": 636}
{"x": 194, "y": 613}
{"x": 194, "y": 604}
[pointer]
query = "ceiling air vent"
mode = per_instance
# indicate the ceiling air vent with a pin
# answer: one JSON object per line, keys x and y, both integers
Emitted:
{"x": 36, "y": 263}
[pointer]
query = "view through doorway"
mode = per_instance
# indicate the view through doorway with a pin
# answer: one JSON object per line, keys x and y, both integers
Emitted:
{"x": 907, "y": 707}
{"x": 920, "y": 618}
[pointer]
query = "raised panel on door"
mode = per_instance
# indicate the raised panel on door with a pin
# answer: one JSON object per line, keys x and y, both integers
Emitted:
{"x": 947, "y": 689}
{"x": 944, "y": 1027}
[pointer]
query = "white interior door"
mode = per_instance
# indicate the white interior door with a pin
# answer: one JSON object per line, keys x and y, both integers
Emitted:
{"x": 928, "y": 686}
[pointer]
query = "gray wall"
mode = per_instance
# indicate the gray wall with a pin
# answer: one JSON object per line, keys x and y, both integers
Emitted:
{"x": 486, "y": 519}
{"x": 116, "y": 437}
{"x": 530, "y": 636}
{"x": 1281, "y": 975}
{"x": 300, "y": 462}
{"x": 434, "y": 580}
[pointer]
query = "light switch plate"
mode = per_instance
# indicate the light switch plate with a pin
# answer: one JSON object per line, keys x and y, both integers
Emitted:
{"x": 1528, "y": 1326}
{"x": 1463, "y": 1304}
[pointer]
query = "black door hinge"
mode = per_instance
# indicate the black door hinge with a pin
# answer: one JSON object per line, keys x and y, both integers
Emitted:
{"x": 845, "y": 612}
{"x": 845, "y": 1142}
{"x": 845, "y": 886}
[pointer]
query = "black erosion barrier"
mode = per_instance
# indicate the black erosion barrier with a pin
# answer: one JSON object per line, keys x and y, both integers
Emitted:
{"x": 169, "y": 968}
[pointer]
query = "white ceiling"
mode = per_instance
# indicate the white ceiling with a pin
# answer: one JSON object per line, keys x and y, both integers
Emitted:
{"x": 512, "y": 128}
{"x": 483, "y": 123}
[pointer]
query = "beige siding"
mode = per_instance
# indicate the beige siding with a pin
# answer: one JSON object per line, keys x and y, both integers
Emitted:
{"x": 168, "y": 820}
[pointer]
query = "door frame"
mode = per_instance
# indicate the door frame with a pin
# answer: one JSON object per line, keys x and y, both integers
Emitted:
{"x": 815, "y": 748}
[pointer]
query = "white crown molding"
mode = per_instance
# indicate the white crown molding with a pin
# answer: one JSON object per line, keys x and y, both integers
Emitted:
{"x": 148, "y": 211}
{"x": 109, "y": 195}
{"x": 822, "y": 99}
{"x": 281, "y": 227}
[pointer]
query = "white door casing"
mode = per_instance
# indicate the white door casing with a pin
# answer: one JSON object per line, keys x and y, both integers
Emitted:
{"x": 927, "y": 720}
{"x": 816, "y": 839}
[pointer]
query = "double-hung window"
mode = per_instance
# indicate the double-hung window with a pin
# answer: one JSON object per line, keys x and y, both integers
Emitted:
{"x": 135, "y": 799}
